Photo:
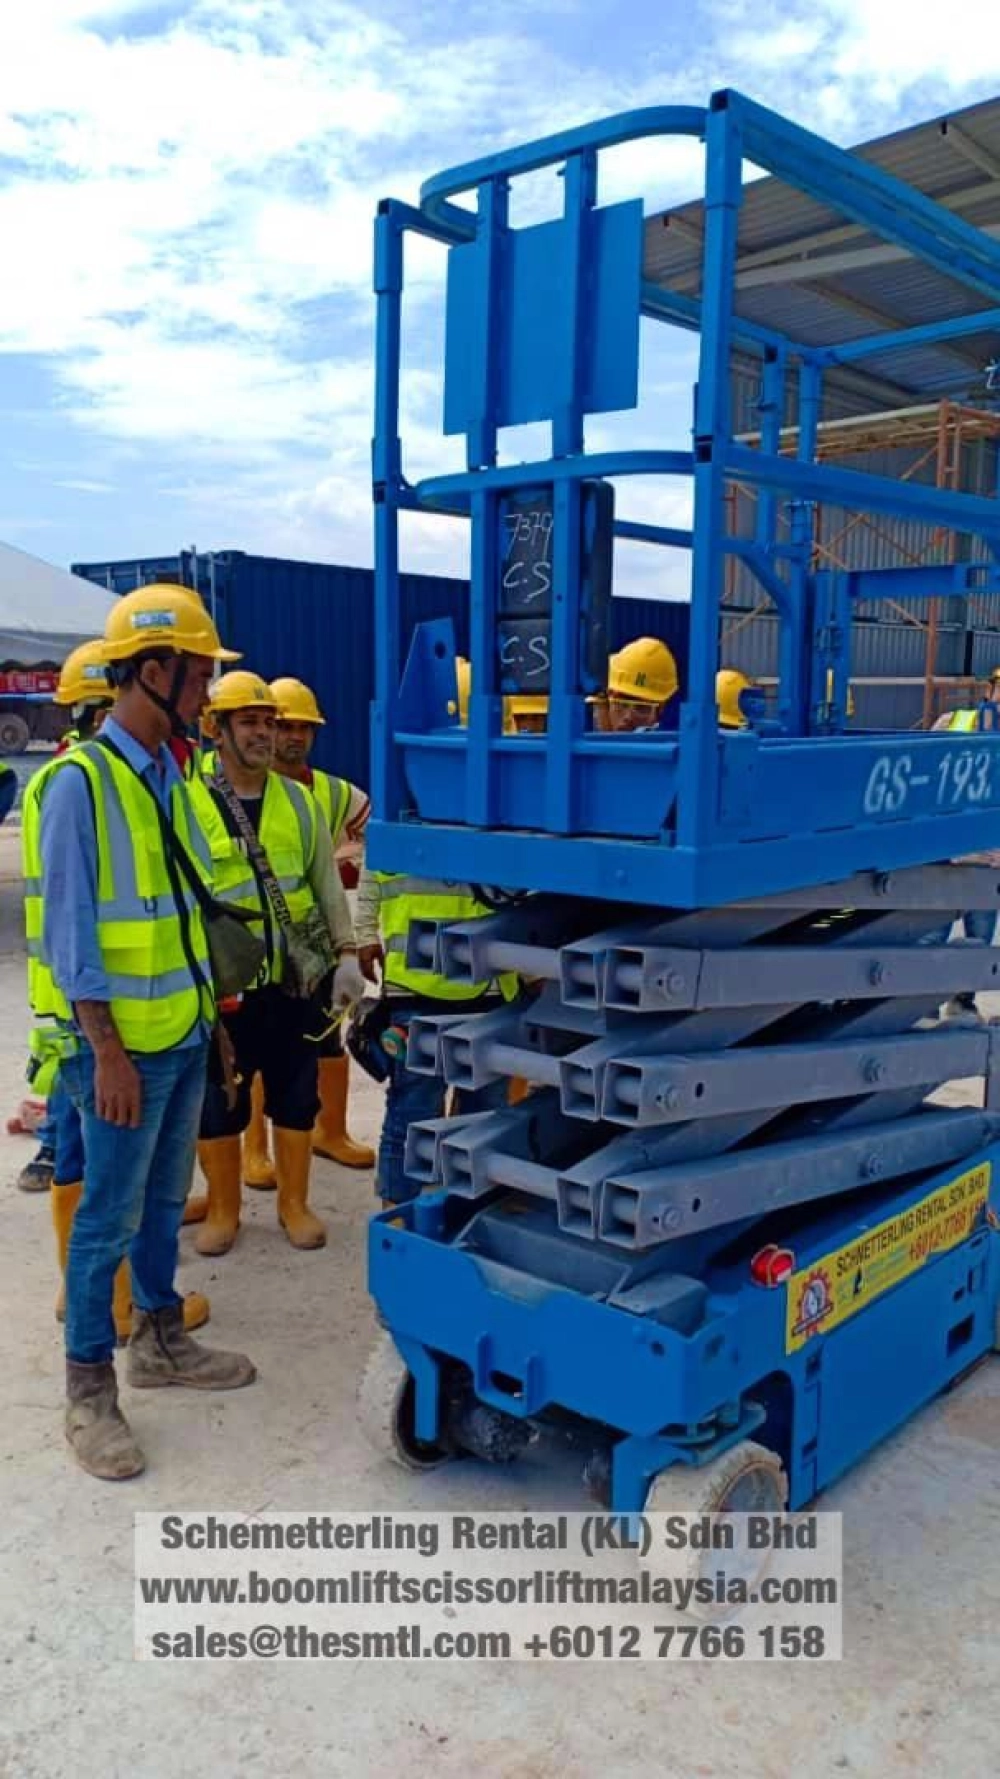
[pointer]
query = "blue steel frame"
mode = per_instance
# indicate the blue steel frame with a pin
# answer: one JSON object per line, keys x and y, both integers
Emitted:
{"x": 690, "y": 819}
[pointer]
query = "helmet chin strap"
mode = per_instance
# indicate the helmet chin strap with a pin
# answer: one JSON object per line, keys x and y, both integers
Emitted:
{"x": 169, "y": 704}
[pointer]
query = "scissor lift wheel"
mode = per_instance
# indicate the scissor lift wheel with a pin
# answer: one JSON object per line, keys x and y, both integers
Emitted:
{"x": 385, "y": 1410}
{"x": 746, "y": 1479}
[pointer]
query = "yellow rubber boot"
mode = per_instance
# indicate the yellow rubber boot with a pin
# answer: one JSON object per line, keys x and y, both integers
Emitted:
{"x": 121, "y": 1302}
{"x": 196, "y": 1306}
{"x": 196, "y": 1209}
{"x": 293, "y": 1156}
{"x": 258, "y": 1168}
{"x": 64, "y": 1200}
{"x": 329, "y": 1137}
{"x": 221, "y": 1163}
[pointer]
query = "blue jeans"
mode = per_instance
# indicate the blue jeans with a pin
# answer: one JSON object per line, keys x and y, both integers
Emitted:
{"x": 979, "y": 925}
{"x": 67, "y": 1136}
{"x": 409, "y": 1099}
{"x": 45, "y": 1131}
{"x": 135, "y": 1183}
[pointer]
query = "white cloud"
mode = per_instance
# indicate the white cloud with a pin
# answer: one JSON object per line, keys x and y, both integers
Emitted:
{"x": 187, "y": 212}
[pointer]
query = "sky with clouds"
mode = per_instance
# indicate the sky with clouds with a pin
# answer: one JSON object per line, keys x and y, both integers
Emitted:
{"x": 186, "y": 202}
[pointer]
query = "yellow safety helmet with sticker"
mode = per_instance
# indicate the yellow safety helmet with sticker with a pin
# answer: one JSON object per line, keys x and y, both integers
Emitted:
{"x": 162, "y": 617}
{"x": 644, "y": 670}
{"x": 83, "y": 677}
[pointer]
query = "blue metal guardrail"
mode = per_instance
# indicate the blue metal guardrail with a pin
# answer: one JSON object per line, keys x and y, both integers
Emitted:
{"x": 543, "y": 324}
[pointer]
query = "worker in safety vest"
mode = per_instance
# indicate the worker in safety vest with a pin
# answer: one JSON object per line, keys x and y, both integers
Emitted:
{"x": 983, "y": 716}
{"x": 84, "y": 688}
{"x": 123, "y": 965}
{"x": 642, "y": 679}
{"x": 345, "y": 809}
{"x": 977, "y": 923}
{"x": 271, "y": 854}
{"x": 387, "y": 903}
{"x": 84, "y": 684}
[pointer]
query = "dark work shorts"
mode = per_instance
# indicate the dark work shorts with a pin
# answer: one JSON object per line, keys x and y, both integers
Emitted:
{"x": 268, "y": 1034}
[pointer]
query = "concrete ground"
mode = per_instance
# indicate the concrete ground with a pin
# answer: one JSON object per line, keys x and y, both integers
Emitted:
{"x": 915, "y": 1693}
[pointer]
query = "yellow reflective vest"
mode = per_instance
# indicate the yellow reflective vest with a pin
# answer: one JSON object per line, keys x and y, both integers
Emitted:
{"x": 149, "y": 927}
{"x": 963, "y": 720}
{"x": 404, "y": 899}
{"x": 334, "y": 798}
{"x": 289, "y": 821}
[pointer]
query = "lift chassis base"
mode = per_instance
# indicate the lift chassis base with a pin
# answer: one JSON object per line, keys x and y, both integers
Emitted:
{"x": 869, "y": 1314}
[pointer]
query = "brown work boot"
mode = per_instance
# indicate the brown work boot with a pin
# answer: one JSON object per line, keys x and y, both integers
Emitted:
{"x": 162, "y": 1352}
{"x": 97, "y": 1430}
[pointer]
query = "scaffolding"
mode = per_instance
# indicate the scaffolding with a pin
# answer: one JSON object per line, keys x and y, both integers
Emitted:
{"x": 939, "y": 434}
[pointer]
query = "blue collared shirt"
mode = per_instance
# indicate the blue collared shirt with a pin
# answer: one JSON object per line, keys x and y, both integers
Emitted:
{"x": 68, "y": 842}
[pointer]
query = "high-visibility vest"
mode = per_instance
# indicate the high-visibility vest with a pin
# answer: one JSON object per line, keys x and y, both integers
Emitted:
{"x": 155, "y": 957}
{"x": 334, "y": 798}
{"x": 964, "y": 720}
{"x": 405, "y": 899}
{"x": 289, "y": 823}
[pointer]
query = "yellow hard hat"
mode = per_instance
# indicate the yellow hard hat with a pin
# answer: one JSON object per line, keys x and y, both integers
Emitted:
{"x": 241, "y": 690}
{"x": 644, "y": 670}
{"x": 296, "y": 703}
{"x": 523, "y": 704}
{"x": 83, "y": 677}
{"x": 728, "y": 685}
{"x": 162, "y": 617}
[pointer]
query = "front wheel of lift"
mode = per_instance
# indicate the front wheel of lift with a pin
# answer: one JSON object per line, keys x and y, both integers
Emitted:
{"x": 746, "y": 1479}
{"x": 385, "y": 1410}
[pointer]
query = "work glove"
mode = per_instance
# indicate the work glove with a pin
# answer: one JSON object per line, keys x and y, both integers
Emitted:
{"x": 348, "y": 982}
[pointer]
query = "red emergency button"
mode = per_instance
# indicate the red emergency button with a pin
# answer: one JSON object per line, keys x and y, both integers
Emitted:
{"x": 772, "y": 1265}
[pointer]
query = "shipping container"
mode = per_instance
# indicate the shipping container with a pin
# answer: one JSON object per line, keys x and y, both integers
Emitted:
{"x": 316, "y": 621}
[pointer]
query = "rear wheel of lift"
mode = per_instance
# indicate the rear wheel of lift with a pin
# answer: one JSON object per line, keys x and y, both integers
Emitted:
{"x": 746, "y": 1479}
{"x": 385, "y": 1410}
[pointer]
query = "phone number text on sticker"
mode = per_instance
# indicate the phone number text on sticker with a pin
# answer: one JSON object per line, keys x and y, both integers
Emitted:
{"x": 838, "y": 1284}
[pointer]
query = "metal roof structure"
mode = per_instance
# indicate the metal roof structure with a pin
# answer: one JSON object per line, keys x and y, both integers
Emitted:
{"x": 806, "y": 272}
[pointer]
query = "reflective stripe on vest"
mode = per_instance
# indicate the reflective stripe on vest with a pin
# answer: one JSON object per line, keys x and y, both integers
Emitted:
{"x": 157, "y": 997}
{"x": 288, "y": 826}
{"x": 334, "y": 798}
{"x": 964, "y": 720}
{"x": 405, "y": 899}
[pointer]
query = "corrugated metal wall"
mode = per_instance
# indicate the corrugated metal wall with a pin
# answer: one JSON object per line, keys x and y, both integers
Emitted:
{"x": 889, "y": 640}
{"x": 317, "y": 622}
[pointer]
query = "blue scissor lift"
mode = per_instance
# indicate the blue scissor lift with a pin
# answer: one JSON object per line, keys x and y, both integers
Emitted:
{"x": 727, "y": 1242}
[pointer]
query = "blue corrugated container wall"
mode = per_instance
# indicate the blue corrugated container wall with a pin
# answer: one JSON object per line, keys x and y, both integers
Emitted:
{"x": 316, "y": 621}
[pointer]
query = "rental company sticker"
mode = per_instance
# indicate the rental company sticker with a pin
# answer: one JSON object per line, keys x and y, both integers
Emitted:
{"x": 836, "y": 1286}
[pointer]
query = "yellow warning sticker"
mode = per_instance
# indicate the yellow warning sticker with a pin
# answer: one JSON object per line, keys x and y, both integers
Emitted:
{"x": 835, "y": 1287}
